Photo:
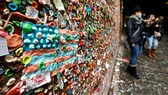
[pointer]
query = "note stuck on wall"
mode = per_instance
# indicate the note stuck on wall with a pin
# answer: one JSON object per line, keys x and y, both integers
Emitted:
{"x": 3, "y": 46}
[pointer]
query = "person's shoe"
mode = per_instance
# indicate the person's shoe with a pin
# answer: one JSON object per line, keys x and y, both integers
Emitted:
{"x": 149, "y": 53}
{"x": 135, "y": 75}
{"x": 129, "y": 70}
{"x": 153, "y": 52}
{"x": 132, "y": 72}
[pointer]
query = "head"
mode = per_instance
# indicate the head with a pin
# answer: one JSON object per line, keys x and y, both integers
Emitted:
{"x": 152, "y": 17}
{"x": 137, "y": 12}
{"x": 161, "y": 17}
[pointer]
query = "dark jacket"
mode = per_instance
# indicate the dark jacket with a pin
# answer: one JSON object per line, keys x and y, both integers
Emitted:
{"x": 151, "y": 28}
{"x": 132, "y": 27}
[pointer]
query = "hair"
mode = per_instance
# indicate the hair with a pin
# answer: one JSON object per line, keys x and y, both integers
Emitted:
{"x": 161, "y": 17}
{"x": 150, "y": 16}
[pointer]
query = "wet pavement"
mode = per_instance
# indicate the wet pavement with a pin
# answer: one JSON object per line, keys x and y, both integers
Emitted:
{"x": 153, "y": 73}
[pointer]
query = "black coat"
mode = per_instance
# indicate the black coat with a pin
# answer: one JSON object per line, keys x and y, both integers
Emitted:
{"x": 151, "y": 28}
{"x": 132, "y": 27}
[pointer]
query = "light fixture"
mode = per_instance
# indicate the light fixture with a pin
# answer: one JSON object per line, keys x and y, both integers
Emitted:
{"x": 166, "y": 2}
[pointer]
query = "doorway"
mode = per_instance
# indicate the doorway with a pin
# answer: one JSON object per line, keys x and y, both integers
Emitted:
{"x": 156, "y": 7}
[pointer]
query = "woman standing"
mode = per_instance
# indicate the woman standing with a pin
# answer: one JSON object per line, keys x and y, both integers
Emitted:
{"x": 152, "y": 40}
{"x": 135, "y": 39}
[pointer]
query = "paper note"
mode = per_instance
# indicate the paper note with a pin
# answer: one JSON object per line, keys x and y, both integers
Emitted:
{"x": 3, "y": 46}
{"x": 37, "y": 80}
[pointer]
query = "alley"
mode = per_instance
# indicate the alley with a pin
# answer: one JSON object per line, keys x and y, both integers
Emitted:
{"x": 153, "y": 72}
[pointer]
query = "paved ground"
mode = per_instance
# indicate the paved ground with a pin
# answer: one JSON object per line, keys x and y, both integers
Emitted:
{"x": 153, "y": 73}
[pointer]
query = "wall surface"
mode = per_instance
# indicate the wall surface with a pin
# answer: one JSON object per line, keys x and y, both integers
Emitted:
{"x": 64, "y": 46}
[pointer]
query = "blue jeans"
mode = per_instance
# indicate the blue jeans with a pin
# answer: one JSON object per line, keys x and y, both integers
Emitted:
{"x": 136, "y": 52}
{"x": 152, "y": 42}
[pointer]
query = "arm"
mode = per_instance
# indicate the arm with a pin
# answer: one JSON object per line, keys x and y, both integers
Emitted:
{"x": 129, "y": 32}
{"x": 146, "y": 20}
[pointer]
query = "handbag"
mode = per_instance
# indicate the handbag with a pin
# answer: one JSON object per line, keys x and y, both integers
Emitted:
{"x": 157, "y": 34}
{"x": 126, "y": 44}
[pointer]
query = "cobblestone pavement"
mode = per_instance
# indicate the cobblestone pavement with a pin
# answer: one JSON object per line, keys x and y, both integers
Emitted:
{"x": 153, "y": 73}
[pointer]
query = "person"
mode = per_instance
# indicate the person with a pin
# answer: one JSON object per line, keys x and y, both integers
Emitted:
{"x": 145, "y": 33}
{"x": 161, "y": 27}
{"x": 135, "y": 39}
{"x": 151, "y": 39}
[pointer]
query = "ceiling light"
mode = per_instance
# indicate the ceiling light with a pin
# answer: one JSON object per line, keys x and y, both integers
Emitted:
{"x": 166, "y": 2}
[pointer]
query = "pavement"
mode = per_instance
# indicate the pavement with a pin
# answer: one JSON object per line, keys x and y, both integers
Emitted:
{"x": 153, "y": 73}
